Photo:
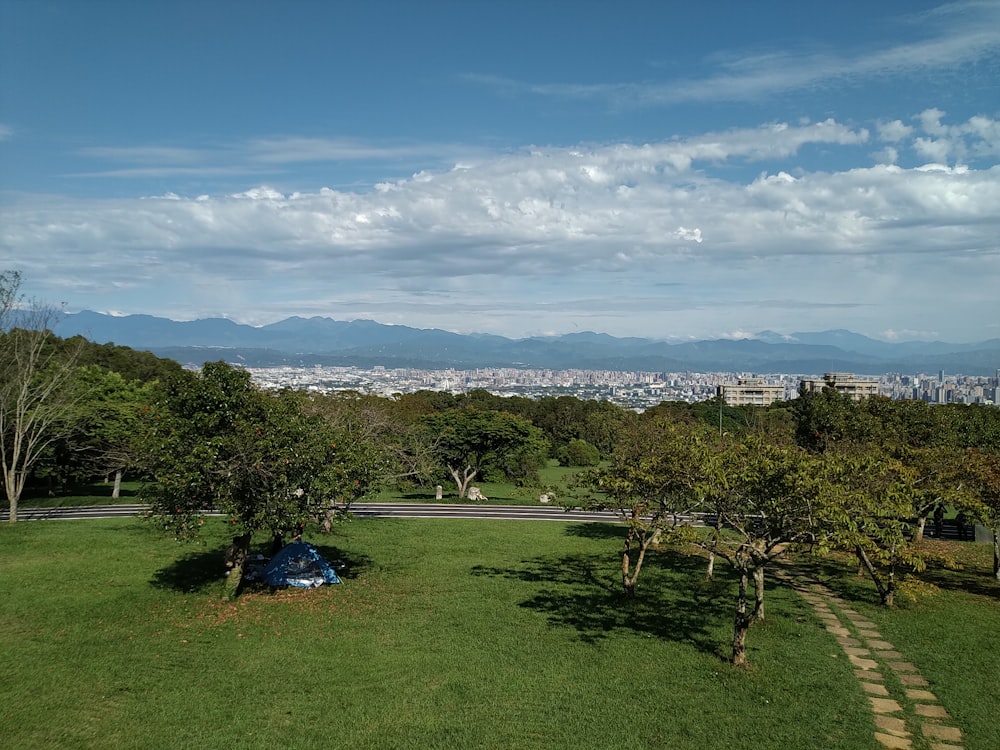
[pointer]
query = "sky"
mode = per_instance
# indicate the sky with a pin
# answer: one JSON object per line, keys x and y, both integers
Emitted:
{"x": 669, "y": 170}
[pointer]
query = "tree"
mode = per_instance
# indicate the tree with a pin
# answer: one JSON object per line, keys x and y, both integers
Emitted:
{"x": 34, "y": 374}
{"x": 106, "y": 420}
{"x": 760, "y": 496}
{"x": 652, "y": 483}
{"x": 470, "y": 441}
{"x": 984, "y": 477}
{"x": 937, "y": 476}
{"x": 579, "y": 453}
{"x": 865, "y": 502}
{"x": 213, "y": 440}
{"x": 827, "y": 419}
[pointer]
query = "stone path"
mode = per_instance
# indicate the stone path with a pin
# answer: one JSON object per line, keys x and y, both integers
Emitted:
{"x": 908, "y": 716}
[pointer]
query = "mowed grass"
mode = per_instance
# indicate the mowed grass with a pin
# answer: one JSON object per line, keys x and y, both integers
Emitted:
{"x": 97, "y": 493}
{"x": 444, "y": 634}
{"x": 553, "y": 479}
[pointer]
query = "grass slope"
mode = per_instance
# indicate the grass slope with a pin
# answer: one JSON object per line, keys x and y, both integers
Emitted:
{"x": 445, "y": 634}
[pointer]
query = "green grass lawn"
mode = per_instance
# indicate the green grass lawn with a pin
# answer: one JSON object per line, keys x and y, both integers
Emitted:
{"x": 444, "y": 634}
{"x": 98, "y": 493}
{"x": 553, "y": 479}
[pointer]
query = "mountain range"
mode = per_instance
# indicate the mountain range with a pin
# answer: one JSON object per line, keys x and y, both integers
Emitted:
{"x": 299, "y": 341}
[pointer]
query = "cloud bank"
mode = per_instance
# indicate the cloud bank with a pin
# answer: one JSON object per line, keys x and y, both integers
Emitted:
{"x": 702, "y": 235}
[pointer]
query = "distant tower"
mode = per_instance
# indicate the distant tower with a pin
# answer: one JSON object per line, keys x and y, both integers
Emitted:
{"x": 940, "y": 376}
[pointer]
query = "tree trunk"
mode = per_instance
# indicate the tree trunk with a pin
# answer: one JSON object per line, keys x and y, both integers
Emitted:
{"x": 710, "y": 570}
{"x": 630, "y": 575}
{"x": 918, "y": 534}
{"x": 13, "y": 489}
{"x": 886, "y": 590}
{"x": 758, "y": 590}
{"x": 628, "y": 582}
{"x": 741, "y": 624}
{"x": 996, "y": 552}
{"x": 116, "y": 492}
{"x": 463, "y": 480}
{"x": 236, "y": 558}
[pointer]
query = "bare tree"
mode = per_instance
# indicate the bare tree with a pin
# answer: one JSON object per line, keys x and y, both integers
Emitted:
{"x": 36, "y": 371}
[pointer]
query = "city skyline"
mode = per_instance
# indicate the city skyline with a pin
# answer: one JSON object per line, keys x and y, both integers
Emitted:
{"x": 522, "y": 169}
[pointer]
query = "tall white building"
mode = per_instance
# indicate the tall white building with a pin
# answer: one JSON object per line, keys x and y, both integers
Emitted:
{"x": 846, "y": 383}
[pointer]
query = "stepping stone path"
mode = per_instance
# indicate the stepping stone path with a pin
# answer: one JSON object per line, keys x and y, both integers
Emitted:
{"x": 908, "y": 716}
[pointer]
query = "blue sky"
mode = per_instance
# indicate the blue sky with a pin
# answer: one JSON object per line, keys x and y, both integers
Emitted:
{"x": 657, "y": 169}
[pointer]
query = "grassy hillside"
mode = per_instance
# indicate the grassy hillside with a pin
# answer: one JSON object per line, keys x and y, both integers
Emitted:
{"x": 444, "y": 634}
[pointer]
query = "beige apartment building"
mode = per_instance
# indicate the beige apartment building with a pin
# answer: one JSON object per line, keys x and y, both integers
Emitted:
{"x": 846, "y": 383}
{"x": 751, "y": 391}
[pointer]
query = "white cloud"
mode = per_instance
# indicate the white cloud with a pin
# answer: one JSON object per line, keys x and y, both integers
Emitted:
{"x": 893, "y": 131}
{"x": 262, "y": 156}
{"x": 6, "y": 132}
{"x": 929, "y": 148}
{"x": 691, "y": 235}
{"x": 887, "y": 155}
{"x": 553, "y": 238}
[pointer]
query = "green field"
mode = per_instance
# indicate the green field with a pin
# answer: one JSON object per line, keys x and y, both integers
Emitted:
{"x": 99, "y": 493}
{"x": 445, "y": 634}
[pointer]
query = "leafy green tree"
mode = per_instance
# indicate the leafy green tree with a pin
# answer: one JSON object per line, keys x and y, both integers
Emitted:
{"x": 579, "y": 453}
{"x": 864, "y": 506}
{"x": 984, "y": 479}
{"x": 974, "y": 425}
{"x": 652, "y": 483}
{"x": 213, "y": 440}
{"x": 35, "y": 374}
{"x": 664, "y": 470}
{"x": 131, "y": 364}
{"x": 105, "y": 421}
{"x": 603, "y": 423}
{"x": 468, "y": 442}
{"x": 827, "y": 419}
{"x": 759, "y": 493}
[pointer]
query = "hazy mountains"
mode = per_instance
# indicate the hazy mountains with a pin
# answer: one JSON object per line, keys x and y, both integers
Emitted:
{"x": 309, "y": 341}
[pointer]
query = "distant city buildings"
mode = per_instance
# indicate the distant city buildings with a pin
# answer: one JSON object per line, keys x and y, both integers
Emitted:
{"x": 752, "y": 392}
{"x": 632, "y": 390}
{"x": 846, "y": 383}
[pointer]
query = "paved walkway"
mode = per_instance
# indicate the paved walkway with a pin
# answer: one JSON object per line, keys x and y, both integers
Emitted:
{"x": 908, "y": 715}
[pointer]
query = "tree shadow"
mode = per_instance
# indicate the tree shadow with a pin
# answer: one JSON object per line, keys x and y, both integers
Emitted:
{"x": 192, "y": 573}
{"x": 581, "y": 592}
{"x": 349, "y": 565}
{"x": 598, "y": 531}
{"x": 839, "y": 574}
{"x": 971, "y": 580}
{"x": 424, "y": 496}
{"x": 198, "y": 571}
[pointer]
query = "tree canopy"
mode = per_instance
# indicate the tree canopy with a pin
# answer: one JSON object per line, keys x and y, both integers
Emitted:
{"x": 215, "y": 441}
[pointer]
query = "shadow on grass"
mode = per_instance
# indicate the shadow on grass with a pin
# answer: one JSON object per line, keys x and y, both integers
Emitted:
{"x": 97, "y": 490}
{"x": 349, "y": 565}
{"x": 839, "y": 574}
{"x": 427, "y": 497}
{"x": 596, "y": 531}
{"x": 192, "y": 573}
{"x": 198, "y": 571}
{"x": 581, "y": 591}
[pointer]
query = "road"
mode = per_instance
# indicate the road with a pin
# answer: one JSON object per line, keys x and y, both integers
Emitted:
{"x": 361, "y": 510}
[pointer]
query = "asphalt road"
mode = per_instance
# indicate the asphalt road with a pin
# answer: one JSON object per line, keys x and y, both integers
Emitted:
{"x": 361, "y": 510}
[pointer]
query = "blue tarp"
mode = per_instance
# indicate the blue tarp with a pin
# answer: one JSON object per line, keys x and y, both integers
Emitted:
{"x": 299, "y": 564}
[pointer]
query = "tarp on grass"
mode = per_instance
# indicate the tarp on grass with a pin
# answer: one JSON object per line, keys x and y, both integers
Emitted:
{"x": 299, "y": 564}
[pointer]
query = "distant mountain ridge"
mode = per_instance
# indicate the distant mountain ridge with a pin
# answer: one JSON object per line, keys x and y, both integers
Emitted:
{"x": 319, "y": 340}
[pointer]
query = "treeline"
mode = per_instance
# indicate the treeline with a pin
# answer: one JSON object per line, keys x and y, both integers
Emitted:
{"x": 818, "y": 474}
